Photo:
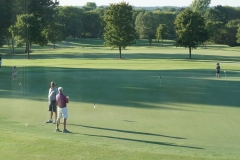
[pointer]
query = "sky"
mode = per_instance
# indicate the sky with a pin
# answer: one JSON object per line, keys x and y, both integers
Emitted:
{"x": 144, "y": 3}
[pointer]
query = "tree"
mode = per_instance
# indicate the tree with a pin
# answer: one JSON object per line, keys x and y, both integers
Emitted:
{"x": 30, "y": 13}
{"x": 200, "y": 6}
{"x": 54, "y": 32}
{"x": 119, "y": 30}
{"x": 166, "y": 18}
{"x": 190, "y": 29}
{"x": 90, "y": 6}
{"x": 66, "y": 16}
{"x": 92, "y": 24}
{"x": 162, "y": 32}
{"x": 74, "y": 28}
{"x": 232, "y": 29}
{"x": 222, "y": 14}
{"x": 100, "y": 11}
{"x": 28, "y": 30}
{"x": 238, "y": 35}
{"x": 12, "y": 31}
{"x": 5, "y": 18}
{"x": 215, "y": 30}
{"x": 145, "y": 25}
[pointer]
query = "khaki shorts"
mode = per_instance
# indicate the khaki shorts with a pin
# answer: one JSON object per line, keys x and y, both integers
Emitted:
{"x": 62, "y": 113}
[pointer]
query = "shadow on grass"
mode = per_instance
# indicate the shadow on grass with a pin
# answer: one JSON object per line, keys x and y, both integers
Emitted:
{"x": 126, "y": 131}
{"x": 143, "y": 141}
{"x": 114, "y": 54}
{"x": 126, "y": 88}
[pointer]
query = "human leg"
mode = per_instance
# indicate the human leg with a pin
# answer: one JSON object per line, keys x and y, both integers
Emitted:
{"x": 50, "y": 113}
{"x": 58, "y": 120}
{"x": 64, "y": 123}
{"x": 65, "y": 116}
{"x": 54, "y": 109}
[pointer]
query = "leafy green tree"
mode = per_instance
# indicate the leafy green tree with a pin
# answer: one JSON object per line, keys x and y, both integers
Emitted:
{"x": 12, "y": 31}
{"x": 215, "y": 30}
{"x": 90, "y": 6}
{"x": 74, "y": 28}
{"x": 100, "y": 11}
{"x": 222, "y": 14}
{"x": 5, "y": 18}
{"x": 145, "y": 25}
{"x": 119, "y": 30}
{"x": 42, "y": 9}
{"x": 162, "y": 17}
{"x": 238, "y": 35}
{"x": 92, "y": 24}
{"x": 168, "y": 9}
{"x": 28, "y": 30}
{"x": 232, "y": 28}
{"x": 190, "y": 29}
{"x": 200, "y": 6}
{"x": 66, "y": 16}
{"x": 162, "y": 32}
{"x": 30, "y": 13}
{"x": 54, "y": 33}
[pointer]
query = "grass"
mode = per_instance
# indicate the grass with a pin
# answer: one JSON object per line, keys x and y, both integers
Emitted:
{"x": 189, "y": 114}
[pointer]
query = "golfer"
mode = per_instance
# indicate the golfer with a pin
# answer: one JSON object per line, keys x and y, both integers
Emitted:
{"x": 62, "y": 110}
{"x": 52, "y": 93}
{"x": 14, "y": 73}
{"x": 218, "y": 70}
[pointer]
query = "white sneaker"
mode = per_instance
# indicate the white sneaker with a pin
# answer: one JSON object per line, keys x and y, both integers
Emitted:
{"x": 49, "y": 121}
{"x": 54, "y": 122}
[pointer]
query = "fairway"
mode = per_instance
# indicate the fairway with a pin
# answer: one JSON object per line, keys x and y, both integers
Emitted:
{"x": 154, "y": 103}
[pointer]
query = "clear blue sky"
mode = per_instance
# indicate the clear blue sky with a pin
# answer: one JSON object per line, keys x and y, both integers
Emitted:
{"x": 148, "y": 2}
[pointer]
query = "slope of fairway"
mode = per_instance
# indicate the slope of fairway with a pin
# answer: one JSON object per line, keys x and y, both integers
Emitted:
{"x": 154, "y": 103}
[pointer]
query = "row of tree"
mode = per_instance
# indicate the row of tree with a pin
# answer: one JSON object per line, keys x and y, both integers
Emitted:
{"x": 43, "y": 21}
{"x": 192, "y": 27}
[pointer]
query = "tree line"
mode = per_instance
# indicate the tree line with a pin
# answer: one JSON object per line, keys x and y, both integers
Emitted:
{"x": 28, "y": 22}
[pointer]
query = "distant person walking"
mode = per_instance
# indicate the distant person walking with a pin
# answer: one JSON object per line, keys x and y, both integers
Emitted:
{"x": 14, "y": 73}
{"x": 62, "y": 110}
{"x": 52, "y": 93}
{"x": 218, "y": 70}
{"x": 0, "y": 61}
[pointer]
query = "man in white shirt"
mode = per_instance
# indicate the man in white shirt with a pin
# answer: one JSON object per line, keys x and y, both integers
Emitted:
{"x": 52, "y": 102}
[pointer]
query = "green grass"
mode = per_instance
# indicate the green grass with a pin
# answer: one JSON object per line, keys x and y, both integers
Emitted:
{"x": 191, "y": 115}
